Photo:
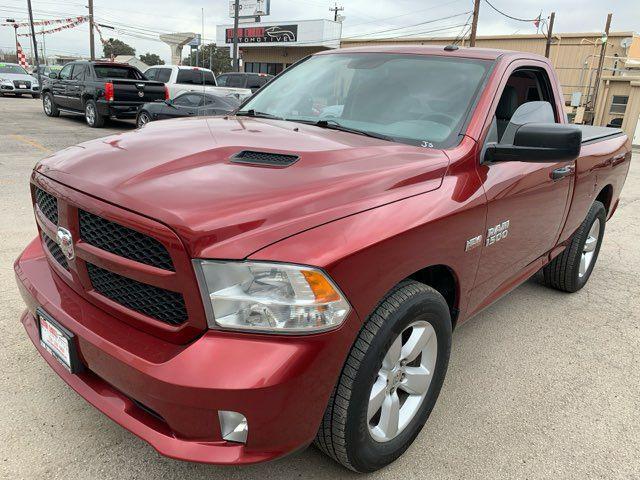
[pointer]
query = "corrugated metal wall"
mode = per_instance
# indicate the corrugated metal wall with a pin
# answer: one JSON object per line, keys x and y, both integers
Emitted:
{"x": 574, "y": 56}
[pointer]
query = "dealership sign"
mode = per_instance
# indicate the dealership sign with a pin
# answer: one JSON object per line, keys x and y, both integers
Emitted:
{"x": 250, "y": 8}
{"x": 270, "y": 34}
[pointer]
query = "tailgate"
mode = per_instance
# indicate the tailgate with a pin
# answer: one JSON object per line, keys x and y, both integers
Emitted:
{"x": 137, "y": 91}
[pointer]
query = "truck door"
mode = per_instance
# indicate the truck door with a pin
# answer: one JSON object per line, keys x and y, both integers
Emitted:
{"x": 59, "y": 86}
{"x": 75, "y": 87}
{"x": 526, "y": 202}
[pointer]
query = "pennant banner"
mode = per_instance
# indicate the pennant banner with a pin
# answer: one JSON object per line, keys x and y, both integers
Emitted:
{"x": 22, "y": 58}
{"x": 72, "y": 24}
{"x": 47, "y": 22}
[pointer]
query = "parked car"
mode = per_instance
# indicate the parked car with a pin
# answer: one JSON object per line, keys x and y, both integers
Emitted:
{"x": 186, "y": 104}
{"x": 99, "y": 90}
{"x": 252, "y": 81}
{"x": 14, "y": 80}
{"x": 231, "y": 289}
{"x": 45, "y": 70}
{"x": 179, "y": 79}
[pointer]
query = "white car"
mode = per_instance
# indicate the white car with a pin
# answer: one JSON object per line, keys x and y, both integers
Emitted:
{"x": 180, "y": 79}
{"x": 16, "y": 81}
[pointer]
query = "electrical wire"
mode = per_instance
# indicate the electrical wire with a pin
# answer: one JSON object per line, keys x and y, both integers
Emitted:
{"x": 510, "y": 16}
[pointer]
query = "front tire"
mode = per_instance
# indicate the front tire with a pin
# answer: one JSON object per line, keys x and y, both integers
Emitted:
{"x": 49, "y": 106}
{"x": 390, "y": 381}
{"x": 571, "y": 270}
{"x": 91, "y": 115}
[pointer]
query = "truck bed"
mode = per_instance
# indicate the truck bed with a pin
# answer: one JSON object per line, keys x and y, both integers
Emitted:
{"x": 593, "y": 134}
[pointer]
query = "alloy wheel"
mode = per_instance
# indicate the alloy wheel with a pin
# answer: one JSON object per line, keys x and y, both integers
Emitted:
{"x": 403, "y": 381}
{"x": 589, "y": 249}
{"x": 90, "y": 114}
{"x": 47, "y": 104}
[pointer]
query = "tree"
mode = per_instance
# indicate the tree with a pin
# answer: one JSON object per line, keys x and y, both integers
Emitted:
{"x": 151, "y": 59}
{"x": 115, "y": 47}
{"x": 221, "y": 62}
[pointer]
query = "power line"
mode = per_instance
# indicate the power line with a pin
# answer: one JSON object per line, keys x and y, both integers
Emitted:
{"x": 510, "y": 16}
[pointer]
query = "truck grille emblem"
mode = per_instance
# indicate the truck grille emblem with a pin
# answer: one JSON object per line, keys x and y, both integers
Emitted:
{"x": 65, "y": 242}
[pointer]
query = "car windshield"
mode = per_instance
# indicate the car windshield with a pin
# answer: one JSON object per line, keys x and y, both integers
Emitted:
{"x": 415, "y": 99}
{"x": 4, "y": 68}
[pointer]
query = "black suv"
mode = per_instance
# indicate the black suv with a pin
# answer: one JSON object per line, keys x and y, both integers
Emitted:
{"x": 99, "y": 90}
{"x": 253, "y": 81}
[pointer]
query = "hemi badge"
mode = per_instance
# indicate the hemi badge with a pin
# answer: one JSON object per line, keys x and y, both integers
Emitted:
{"x": 473, "y": 243}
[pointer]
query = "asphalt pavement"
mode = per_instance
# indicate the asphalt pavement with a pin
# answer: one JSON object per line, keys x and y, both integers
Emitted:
{"x": 541, "y": 385}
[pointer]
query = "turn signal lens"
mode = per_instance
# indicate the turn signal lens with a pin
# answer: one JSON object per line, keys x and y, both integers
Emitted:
{"x": 269, "y": 297}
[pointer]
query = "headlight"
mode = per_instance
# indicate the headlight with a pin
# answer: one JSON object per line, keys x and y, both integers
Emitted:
{"x": 4, "y": 80}
{"x": 269, "y": 297}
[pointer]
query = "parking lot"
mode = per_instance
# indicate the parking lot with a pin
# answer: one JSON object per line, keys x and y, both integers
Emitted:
{"x": 540, "y": 385}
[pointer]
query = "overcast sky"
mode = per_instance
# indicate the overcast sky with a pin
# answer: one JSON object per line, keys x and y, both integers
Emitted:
{"x": 141, "y": 21}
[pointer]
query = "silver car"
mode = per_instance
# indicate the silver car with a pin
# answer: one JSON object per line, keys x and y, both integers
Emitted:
{"x": 15, "y": 80}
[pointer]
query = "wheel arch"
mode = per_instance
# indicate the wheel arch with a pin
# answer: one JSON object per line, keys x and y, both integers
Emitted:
{"x": 605, "y": 197}
{"x": 443, "y": 279}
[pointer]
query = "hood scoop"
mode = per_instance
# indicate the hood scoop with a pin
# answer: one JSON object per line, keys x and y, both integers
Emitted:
{"x": 264, "y": 159}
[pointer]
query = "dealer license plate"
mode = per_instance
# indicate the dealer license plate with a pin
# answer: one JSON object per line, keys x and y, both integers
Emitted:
{"x": 58, "y": 341}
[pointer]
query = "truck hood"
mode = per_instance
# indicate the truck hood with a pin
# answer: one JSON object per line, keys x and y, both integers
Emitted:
{"x": 180, "y": 173}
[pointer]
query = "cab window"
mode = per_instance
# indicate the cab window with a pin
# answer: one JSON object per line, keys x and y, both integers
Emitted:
{"x": 222, "y": 80}
{"x": 79, "y": 72}
{"x": 151, "y": 73}
{"x": 524, "y": 85}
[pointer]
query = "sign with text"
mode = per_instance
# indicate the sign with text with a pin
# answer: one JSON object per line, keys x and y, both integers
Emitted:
{"x": 250, "y": 8}
{"x": 270, "y": 34}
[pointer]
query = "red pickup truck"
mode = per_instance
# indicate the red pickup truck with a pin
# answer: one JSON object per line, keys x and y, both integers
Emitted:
{"x": 233, "y": 289}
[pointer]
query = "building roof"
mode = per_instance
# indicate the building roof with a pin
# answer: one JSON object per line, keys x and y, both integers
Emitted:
{"x": 536, "y": 36}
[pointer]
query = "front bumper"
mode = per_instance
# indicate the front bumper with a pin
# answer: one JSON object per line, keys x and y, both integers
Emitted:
{"x": 6, "y": 88}
{"x": 169, "y": 395}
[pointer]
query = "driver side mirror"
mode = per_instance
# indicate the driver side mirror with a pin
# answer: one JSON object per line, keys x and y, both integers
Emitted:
{"x": 53, "y": 75}
{"x": 533, "y": 136}
{"x": 538, "y": 142}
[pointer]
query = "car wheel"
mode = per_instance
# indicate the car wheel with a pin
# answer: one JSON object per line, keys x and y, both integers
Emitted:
{"x": 49, "y": 106}
{"x": 143, "y": 119}
{"x": 390, "y": 381}
{"x": 571, "y": 270}
{"x": 91, "y": 115}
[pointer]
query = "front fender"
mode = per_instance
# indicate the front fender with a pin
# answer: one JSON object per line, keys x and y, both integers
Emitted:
{"x": 368, "y": 253}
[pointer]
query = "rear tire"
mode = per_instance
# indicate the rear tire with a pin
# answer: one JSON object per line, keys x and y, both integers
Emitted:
{"x": 372, "y": 418}
{"x": 91, "y": 115}
{"x": 143, "y": 119}
{"x": 49, "y": 106}
{"x": 570, "y": 270}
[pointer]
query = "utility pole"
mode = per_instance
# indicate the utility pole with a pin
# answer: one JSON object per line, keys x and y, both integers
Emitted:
{"x": 236, "y": 13}
{"x": 474, "y": 23}
{"x": 335, "y": 11}
{"x": 547, "y": 48}
{"x": 35, "y": 42}
{"x": 603, "y": 51}
{"x": 92, "y": 47}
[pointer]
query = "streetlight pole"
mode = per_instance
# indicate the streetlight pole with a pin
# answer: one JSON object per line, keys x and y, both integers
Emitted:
{"x": 236, "y": 12}
{"x": 92, "y": 47}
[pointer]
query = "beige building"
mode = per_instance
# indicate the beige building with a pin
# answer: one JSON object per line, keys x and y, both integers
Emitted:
{"x": 575, "y": 57}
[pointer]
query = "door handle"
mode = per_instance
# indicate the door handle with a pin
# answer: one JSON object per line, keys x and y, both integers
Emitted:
{"x": 560, "y": 173}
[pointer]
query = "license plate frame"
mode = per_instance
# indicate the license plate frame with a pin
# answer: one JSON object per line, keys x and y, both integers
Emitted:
{"x": 56, "y": 333}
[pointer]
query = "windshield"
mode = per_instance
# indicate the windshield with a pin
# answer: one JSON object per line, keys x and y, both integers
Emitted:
{"x": 4, "y": 68}
{"x": 416, "y": 99}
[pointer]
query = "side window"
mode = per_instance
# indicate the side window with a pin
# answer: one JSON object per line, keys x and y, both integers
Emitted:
{"x": 235, "y": 81}
{"x": 222, "y": 80}
{"x": 151, "y": 73}
{"x": 79, "y": 72}
{"x": 164, "y": 74}
{"x": 188, "y": 100}
{"x": 524, "y": 85}
{"x": 65, "y": 73}
{"x": 255, "y": 81}
{"x": 619, "y": 104}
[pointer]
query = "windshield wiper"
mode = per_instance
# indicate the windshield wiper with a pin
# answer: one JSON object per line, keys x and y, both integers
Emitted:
{"x": 333, "y": 125}
{"x": 253, "y": 113}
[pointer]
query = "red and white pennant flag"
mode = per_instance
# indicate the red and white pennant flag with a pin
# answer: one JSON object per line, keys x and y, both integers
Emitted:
{"x": 22, "y": 58}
